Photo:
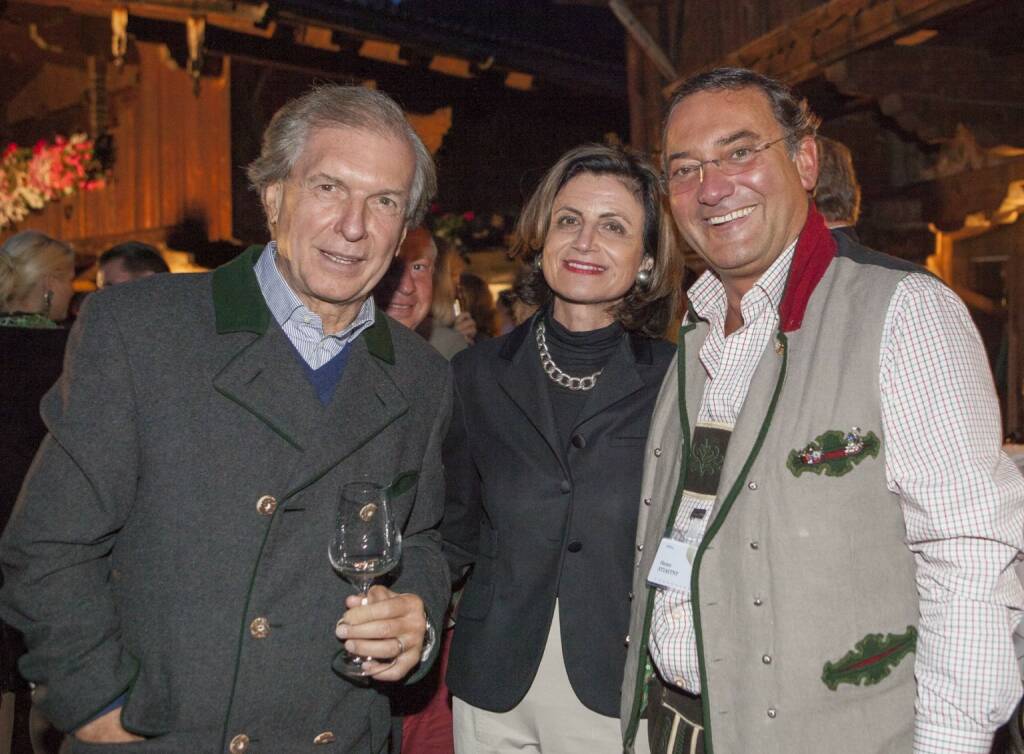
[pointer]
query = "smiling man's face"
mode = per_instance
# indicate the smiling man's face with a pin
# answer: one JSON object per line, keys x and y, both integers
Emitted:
{"x": 739, "y": 224}
{"x": 339, "y": 218}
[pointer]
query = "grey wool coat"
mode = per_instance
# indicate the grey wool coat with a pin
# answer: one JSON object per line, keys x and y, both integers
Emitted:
{"x": 170, "y": 542}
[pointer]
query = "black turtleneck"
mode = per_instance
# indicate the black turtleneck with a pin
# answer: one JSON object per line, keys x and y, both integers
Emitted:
{"x": 578, "y": 354}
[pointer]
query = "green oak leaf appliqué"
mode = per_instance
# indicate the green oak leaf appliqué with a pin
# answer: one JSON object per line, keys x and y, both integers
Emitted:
{"x": 829, "y": 442}
{"x": 871, "y": 660}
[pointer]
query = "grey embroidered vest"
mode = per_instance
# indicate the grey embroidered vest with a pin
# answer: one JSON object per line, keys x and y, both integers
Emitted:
{"x": 804, "y": 597}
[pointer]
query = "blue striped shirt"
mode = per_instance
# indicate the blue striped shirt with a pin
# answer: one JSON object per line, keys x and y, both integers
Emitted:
{"x": 303, "y": 327}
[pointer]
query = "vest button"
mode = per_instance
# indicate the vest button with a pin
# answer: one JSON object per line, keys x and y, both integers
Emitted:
{"x": 640, "y": 548}
{"x": 578, "y": 441}
{"x": 657, "y": 452}
{"x": 259, "y": 628}
{"x": 757, "y": 602}
{"x": 566, "y": 487}
{"x": 266, "y": 505}
{"x": 772, "y": 713}
{"x": 754, "y": 545}
{"x": 751, "y": 485}
{"x": 647, "y": 501}
{"x": 239, "y": 744}
{"x": 575, "y": 546}
{"x": 766, "y": 659}
{"x": 627, "y": 640}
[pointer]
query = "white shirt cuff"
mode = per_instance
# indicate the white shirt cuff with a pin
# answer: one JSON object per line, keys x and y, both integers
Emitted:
{"x": 935, "y": 739}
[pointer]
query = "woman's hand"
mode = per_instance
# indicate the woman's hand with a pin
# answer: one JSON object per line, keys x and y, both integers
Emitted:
{"x": 465, "y": 326}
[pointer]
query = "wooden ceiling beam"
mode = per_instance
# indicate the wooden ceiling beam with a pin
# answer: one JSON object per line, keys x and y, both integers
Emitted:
{"x": 235, "y": 16}
{"x": 801, "y": 48}
{"x": 977, "y": 77}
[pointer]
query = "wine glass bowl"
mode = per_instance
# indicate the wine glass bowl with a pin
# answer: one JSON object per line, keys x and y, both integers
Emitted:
{"x": 365, "y": 545}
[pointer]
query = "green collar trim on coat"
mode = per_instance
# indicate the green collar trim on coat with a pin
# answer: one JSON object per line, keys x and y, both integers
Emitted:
{"x": 237, "y": 298}
{"x": 239, "y": 305}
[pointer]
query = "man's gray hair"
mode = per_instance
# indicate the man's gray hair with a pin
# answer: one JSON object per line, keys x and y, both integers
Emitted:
{"x": 336, "y": 106}
{"x": 792, "y": 113}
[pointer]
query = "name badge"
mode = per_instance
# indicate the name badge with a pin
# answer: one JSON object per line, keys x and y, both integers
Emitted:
{"x": 673, "y": 565}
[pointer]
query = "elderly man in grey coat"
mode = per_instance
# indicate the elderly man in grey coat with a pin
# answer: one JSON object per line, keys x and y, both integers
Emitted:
{"x": 167, "y": 560}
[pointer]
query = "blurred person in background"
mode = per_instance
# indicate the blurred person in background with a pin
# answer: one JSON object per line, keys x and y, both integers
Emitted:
{"x": 837, "y": 192}
{"x": 476, "y": 299}
{"x": 422, "y": 711}
{"x": 35, "y": 288}
{"x": 543, "y": 463}
{"x": 505, "y": 307}
{"x": 447, "y": 330}
{"x": 129, "y": 261}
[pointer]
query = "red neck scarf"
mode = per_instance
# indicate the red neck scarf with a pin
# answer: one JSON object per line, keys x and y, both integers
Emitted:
{"x": 814, "y": 253}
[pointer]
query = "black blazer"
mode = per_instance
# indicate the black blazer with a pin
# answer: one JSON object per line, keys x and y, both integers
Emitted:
{"x": 538, "y": 519}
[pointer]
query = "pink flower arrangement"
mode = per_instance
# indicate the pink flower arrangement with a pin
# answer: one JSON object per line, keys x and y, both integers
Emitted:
{"x": 31, "y": 177}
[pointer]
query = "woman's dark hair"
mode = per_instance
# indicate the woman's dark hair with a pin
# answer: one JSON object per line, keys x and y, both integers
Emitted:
{"x": 645, "y": 309}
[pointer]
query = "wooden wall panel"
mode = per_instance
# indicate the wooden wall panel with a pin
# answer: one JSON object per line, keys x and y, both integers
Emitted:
{"x": 172, "y": 165}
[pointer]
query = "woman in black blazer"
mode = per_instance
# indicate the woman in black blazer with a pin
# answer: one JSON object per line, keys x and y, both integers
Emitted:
{"x": 544, "y": 459}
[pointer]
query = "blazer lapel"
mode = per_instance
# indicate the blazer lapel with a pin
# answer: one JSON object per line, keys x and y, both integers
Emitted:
{"x": 365, "y": 402}
{"x": 525, "y": 383}
{"x": 266, "y": 379}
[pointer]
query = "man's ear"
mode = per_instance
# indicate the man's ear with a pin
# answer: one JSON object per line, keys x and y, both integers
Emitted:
{"x": 405, "y": 232}
{"x": 271, "y": 198}
{"x": 806, "y": 160}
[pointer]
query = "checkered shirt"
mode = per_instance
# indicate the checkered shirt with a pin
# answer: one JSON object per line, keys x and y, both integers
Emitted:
{"x": 961, "y": 497}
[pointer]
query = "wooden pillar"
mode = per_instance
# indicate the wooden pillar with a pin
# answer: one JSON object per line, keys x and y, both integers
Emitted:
{"x": 1015, "y": 341}
{"x": 645, "y": 83}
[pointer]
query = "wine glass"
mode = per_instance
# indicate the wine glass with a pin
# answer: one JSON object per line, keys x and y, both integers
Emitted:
{"x": 365, "y": 545}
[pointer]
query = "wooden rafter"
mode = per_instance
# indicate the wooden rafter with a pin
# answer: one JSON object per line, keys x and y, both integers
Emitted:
{"x": 802, "y": 47}
{"x": 235, "y": 16}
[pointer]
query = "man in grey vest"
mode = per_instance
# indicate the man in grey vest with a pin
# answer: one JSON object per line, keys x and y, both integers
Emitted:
{"x": 828, "y": 525}
{"x": 168, "y": 557}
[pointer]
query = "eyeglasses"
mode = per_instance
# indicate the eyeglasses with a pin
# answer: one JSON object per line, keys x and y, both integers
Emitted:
{"x": 686, "y": 176}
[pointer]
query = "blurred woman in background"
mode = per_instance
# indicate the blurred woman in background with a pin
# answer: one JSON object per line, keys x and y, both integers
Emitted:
{"x": 35, "y": 289}
{"x": 478, "y": 301}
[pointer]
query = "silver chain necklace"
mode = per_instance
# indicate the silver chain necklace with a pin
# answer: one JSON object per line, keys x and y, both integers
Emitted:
{"x": 557, "y": 375}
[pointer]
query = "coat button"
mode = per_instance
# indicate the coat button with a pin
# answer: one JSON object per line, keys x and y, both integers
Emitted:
{"x": 566, "y": 487}
{"x": 327, "y": 737}
{"x": 766, "y": 659}
{"x": 578, "y": 441}
{"x": 657, "y": 452}
{"x": 627, "y": 640}
{"x": 772, "y": 713}
{"x": 647, "y": 501}
{"x": 758, "y": 602}
{"x": 640, "y": 548}
{"x": 575, "y": 546}
{"x": 754, "y": 545}
{"x": 239, "y": 744}
{"x": 259, "y": 628}
{"x": 751, "y": 485}
{"x": 266, "y": 505}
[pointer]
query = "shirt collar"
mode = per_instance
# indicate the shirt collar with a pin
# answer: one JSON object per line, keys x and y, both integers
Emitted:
{"x": 707, "y": 295}
{"x": 285, "y": 305}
